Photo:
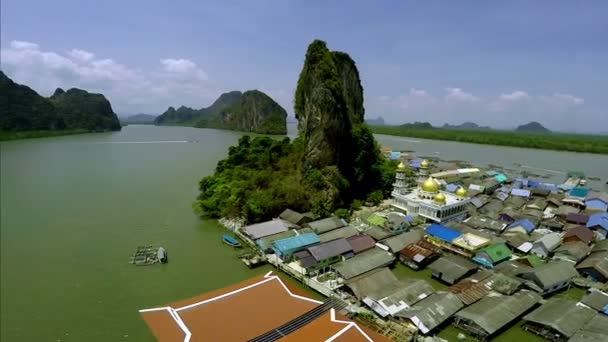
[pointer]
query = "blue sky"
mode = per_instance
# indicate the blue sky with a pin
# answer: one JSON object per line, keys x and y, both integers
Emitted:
{"x": 495, "y": 63}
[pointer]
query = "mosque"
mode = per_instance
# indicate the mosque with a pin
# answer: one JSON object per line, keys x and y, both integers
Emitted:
{"x": 427, "y": 199}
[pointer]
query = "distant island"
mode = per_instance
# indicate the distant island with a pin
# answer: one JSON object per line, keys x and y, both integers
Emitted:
{"x": 531, "y": 135}
{"x": 26, "y": 114}
{"x": 138, "y": 119}
{"x": 532, "y": 127}
{"x": 379, "y": 121}
{"x": 251, "y": 111}
{"x": 465, "y": 126}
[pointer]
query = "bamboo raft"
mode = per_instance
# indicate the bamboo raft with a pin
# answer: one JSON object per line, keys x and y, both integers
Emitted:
{"x": 145, "y": 255}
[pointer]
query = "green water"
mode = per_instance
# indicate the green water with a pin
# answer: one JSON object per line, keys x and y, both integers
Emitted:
{"x": 72, "y": 211}
{"x": 74, "y": 208}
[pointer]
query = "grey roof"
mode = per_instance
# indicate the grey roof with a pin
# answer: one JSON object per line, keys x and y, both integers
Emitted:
{"x": 294, "y": 216}
{"x": 594, "y": 331}
{"x": 326, "y": 224}
{"x": 260, "y": 230}
{"x": 512, "y": 268}
{"x": 549, "y": 241}
{"x": 361, "y": 242}
{"x": 596, "y": 300}
{"x": 378, "y": 233}
{"x": 515, "y": 202}
{"x": 562, "y": 315}
{"x": 329, "y": 249}
{"x": 398, "y": 242}
{"x": 430, "y": 312}
{"x": 572, "y": 250}
{"x": 452, "y": 267}
{"x": 503, "y": 283}
{"x": 344, "y": 232}
{"x": 371, "y": 281}
{"x": 551, "y": 273}
{"x": 564, "y": 210}
{"x": 408, "y": 291}
{"x": 600, "y": 246}
{"x": 494, "y": 312}
{"x": 596, "y": 260}
{"x": 480, "y": 222}
{"x": 363, "y": 262}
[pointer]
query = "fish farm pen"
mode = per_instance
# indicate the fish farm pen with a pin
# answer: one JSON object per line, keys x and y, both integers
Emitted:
{"x": 148, "y": 255}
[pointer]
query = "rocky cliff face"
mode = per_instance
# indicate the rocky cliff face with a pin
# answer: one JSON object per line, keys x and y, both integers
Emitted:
{"x": 254, "y": 112}
{"x": 329, "y": 102}
{"x": 22, "y": 109}
{"x": 251, "y": 111}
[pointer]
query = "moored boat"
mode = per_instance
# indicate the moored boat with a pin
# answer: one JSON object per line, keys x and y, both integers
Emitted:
{"x": 162, "y": 255}
{"x": 229, "y": 240}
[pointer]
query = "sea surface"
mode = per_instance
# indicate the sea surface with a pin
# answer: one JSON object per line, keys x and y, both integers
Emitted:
{"x": 73, "y": 209}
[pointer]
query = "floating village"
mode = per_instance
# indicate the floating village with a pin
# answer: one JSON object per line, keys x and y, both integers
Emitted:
{"x": 475, "y": 251}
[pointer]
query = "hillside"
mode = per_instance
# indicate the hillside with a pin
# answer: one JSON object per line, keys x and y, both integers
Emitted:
{"x": 23, "y": 110}
{"x": 138, "y": 119}
{"x": 251, "y": 111}
{"x": 379, "y": 121}
{"x": 532, "y": 127}
{"x": 465, "y": 126}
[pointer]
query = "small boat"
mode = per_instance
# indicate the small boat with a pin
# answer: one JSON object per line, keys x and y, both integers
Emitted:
{"x": 229, "y": 240}
{"x": 162, "y": 255}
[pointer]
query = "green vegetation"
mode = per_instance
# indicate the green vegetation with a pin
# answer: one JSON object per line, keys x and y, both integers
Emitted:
{"x": 24, "y": 113}
{"x": 251, "y": 111}
{"x": 553, "y": 141}
{"x": 261, "y": 177}
{"x": 38, "y": 134}
{"x": 334, "y": 163}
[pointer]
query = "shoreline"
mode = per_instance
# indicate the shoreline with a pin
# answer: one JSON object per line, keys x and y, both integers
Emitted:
{"x": 24, "y": 135}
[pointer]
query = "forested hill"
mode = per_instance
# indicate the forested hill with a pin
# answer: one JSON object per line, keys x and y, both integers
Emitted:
{"x": 251, "y": 111}
{"x": 22, "y": 109}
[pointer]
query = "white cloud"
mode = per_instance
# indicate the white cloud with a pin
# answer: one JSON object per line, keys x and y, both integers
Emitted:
{"x": 563, "y": 99}
{"x": 183, "y": 67}
{"x": 517, "y": 95}
{"x": 81, "y": 55}
{"x": 458, "y": 95}
{"x": 173, "y": 82}
{"x": 19, "y": 44}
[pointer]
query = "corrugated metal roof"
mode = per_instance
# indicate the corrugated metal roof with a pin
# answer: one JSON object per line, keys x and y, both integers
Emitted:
{"x": 595, "y": 330}
{"x": 329, "y": 249}
{"x": 326, "y": 224}
{"x": 597, "y": 261}
{"x": 398, "y": 242}
{"x": 562, "y": 315}
{"x": 597, "y": 300}
{"x": 344, "y": 232}
{"x": 497, "y": 252}
{"x": 572, "y": 250}
{"x": 452, "y": 267}
{"x": 432, "y": 311}
{"x": 396, "y": 296}
{"x": 295, "y": 242}
{"x": 442, "y": 232}
{"x": 577, "y": 218}
{"x": 360, "y": 243}
{"x": 371, "y": 281}
{"x": 451, "y": 188}
{"x": 581, "y": 232}
{"x": 363, "y": 262}
{"x": 260, "y": 230}
{"x": 500, "y": 178}
{"x": 265, "y": 243}
{"x": 494, "y": 312}
{"x": 598, "y": 220}
{"x": 551, "y": 273}
{"x": 520, "y": 193}
{"x": 526, "y": 224}
{"x": 578, "y": 192}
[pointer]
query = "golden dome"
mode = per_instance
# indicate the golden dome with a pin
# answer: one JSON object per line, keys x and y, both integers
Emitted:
{"x": 401, "y": 167}
{"x": 461, "y": 192}
{"x": 424, "y": 164}
{"x": 440, "y": 198}
{"x": 430, "y": 185}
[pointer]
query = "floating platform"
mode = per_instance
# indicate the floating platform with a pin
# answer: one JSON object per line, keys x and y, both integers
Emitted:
{"x": 252, "y": 259}
{"x": 148, "y": 255}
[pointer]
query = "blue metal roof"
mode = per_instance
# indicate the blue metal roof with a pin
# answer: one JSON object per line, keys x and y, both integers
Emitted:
{"x": 415, "y": 163}
{"x": 293, "y": 243}
{"x": 532, "y": 183}
{"x": 451, "y": 188}
{"x": 442, "y": 232}
{"x": 596, "y": 204}
{"x": 600, "y": 220}
{"x": 409, "y": 219}
{"x": 500, "y": 177}
{"x": 524, "y": 223}
{"x": 394, "y": 155}
{"x": 579, "y": 192}
{"x": 520, "y": 193}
